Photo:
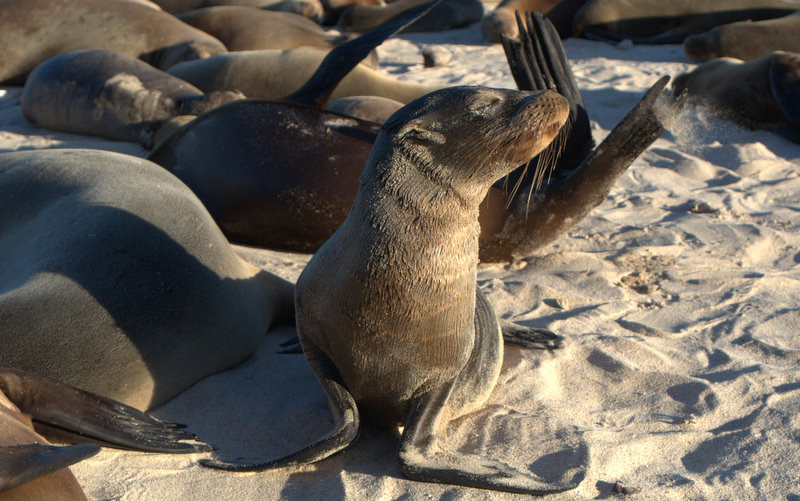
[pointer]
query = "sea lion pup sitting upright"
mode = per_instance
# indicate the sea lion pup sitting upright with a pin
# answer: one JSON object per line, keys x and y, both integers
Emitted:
{"x": 108, "y": 94}
{"x": 660, "y": 22}
{"x": 388, "y": 311}
{"x": 32, "y": 31}
{"x": 116, "y": 280}
{"x": 33, "y": 407}
{"x": 746, "y": 40}
{"x": 760, "y": 94}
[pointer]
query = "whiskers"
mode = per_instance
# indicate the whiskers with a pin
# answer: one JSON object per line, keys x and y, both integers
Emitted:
{"x": 542, "y": 165}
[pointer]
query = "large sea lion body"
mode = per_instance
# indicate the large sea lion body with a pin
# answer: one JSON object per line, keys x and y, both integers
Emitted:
{"x": 746, "y": 40}
{"x": 501, "y": 20}
{"x": 763, "y": 94}
{"x": 658, "y": 21}
{"x": 275, "y": 74}
{"x": 36, "y": 30}
{"x": 387, "y": 310}
{"x": 108, "y": 94}
{"x": 446, "y": 15}
{"x": 117, "y": 281}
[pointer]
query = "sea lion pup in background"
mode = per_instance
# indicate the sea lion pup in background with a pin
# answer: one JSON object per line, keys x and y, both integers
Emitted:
{"x": 31, "y": 469}
{"x": 275, "y": 74}
{"x": 388, "y": 311}
{"x": 746, "y": 40}
{"x": 447, "y": 15}
{"x": 36, "y": 30}
{"x": 659, "y": 21}
{"x": 502, "y": 20}
{"x": 760, "y": 94}
{"x": 116, "y": 279}
{"x": 108, "y": 94}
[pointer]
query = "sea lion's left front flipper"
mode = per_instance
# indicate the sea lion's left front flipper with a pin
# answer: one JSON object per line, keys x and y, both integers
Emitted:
{"x": 784, "y": 81}
{"x": 21, "y": 464}
{"x": 421, "y": 456}
{"x": 64, "y": 413}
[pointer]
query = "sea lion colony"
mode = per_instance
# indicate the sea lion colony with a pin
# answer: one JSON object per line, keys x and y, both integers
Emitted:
{"x": 268, "y": 298}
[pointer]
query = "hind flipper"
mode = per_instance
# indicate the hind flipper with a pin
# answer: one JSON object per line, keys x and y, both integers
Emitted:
{"x": 63, "y": 412}
{"x": 343, "y": 58}
{"x": 345, "y": 416}
{"x": 24, "y": 463}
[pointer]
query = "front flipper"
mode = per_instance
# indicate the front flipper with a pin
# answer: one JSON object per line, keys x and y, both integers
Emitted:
{"x": 421, "y": 456}
{"x": 24, "y": 463}
{"x": 65, "y": 413}
{"x": 345, "y": 416}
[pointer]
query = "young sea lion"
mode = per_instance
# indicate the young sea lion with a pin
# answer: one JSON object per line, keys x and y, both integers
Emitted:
{"x": 108, "y": 94}
{"x": 746, "y": 40}
{"x": 388, "y": 311}
{"x": 32, "y": 31}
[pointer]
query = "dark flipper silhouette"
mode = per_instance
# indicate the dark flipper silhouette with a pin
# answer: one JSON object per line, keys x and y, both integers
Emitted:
{"x": 64, "y": 413}
{"x": 343, "y": 58}
{"x": 567, "y": 199}
{"x": 538, "y": 62}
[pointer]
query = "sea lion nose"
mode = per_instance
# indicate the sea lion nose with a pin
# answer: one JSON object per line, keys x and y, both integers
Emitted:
{"x": 544, "y": 106}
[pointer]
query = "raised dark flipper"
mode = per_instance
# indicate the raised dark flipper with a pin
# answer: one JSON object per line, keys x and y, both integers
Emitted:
{"x": 62, "y": 412}
{"x": 564, "y": 204}
{"x": 24, "y": 463}
{"x": 538, "y": 62}
{"x": 343, "y": 58}
{"x": 421, "y": 456}
{"x": 345, "y": 417}
{"x": 530, "y": 337}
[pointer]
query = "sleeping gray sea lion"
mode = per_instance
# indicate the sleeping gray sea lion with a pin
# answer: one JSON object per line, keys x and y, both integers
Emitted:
{"x": 447, "y": 15}
{"x": 248, "y": 28}
{"x": 275, "y": 74}
{"x": 659, "y": 21}
{"x": 32, "y": 406}
{"x": 760, "y": 94}
{"x": 388, "y": 310}
{"x": 108, "y": 94}
{"x": 746, "y": 40}
{"x": 116, "y": 279}
{"x": 36, "y": 30}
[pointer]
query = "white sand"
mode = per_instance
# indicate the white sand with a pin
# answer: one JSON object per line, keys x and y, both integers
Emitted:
{"x": 678, "y": 298}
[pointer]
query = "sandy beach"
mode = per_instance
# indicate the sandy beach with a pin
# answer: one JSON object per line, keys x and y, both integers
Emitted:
{"x": 677, "y": 299}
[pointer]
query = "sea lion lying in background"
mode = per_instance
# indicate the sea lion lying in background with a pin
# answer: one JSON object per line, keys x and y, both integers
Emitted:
{"x": 502, "y": 20}
{"x": 108, "y": 94}
{"x": 746, "y": 40}
{"x": 659, "y": 21}
{"x": 446, "y": 15}
{"x": 32, "y": 31}
{"x": 760, "y": 94}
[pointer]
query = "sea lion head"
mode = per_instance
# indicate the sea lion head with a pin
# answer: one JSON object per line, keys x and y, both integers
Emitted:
{"x": 470, "y": 136}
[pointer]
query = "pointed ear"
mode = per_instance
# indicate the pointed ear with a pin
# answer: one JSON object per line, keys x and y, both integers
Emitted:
{"x": 784, "y": 81}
